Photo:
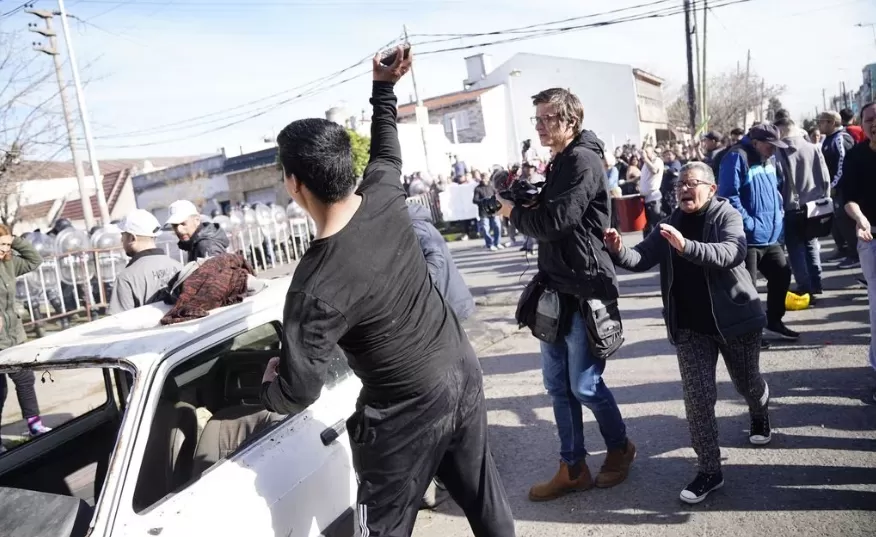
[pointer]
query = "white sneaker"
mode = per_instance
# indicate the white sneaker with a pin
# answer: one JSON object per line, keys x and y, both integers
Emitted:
{"x": 500, "y": 246}
{"x": 493, "y": 249}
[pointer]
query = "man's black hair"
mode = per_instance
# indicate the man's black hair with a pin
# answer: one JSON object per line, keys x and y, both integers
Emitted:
{"x": 318, "y": 153}
{"x": 846, "y": 115}
{"x": 737, "y": 132}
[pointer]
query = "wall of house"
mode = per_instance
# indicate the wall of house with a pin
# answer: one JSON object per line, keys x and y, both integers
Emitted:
{"x": 607, "y": 92}
{"x": 469, "y": 117}
{"x": 254, "y": 181}
{"x": 126, "y": 203}
{"x": 199, "y": 190}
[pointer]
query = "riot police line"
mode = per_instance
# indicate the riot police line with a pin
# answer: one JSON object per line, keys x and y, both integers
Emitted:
{"x": 79, "y": 268}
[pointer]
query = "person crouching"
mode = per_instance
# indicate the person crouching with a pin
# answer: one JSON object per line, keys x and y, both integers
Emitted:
{"x": 710, "y": 304}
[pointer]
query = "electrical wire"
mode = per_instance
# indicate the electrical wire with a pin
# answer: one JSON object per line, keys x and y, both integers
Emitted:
{"x": 544, "y": 30}
{"x": 13, "y": 11}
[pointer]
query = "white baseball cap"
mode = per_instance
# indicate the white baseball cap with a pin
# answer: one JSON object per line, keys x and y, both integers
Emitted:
{"x": 180, "y": 210}
{"x": 140, "y": 223}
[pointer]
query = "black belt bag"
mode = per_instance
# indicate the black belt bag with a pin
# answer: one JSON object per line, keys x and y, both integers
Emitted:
{"x": 605, "y": 331}
{"x": 540, "y": 309}
{"x": 813, "y": 220}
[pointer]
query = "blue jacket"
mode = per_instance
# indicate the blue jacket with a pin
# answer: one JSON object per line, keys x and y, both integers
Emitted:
{"x": 752, "y": 187}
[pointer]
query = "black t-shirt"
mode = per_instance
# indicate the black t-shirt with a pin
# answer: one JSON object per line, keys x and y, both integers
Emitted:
{"x": 859, "y": 179}
{"x": 690, "y": 289}
{"x": 366, "y": 291}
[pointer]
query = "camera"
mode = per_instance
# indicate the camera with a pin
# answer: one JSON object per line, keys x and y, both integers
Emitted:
{"x": 491, "y": 205}
{"x": 521, "y": 192}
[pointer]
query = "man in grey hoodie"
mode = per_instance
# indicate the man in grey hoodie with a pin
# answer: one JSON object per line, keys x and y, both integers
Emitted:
{"x": 149, "y": 269}
{"x": 805, "y": 178}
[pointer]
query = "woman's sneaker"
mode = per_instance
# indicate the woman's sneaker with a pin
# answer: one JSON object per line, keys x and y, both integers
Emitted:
{"x": 701, "y": 487}
{"x": 760, "y": 434}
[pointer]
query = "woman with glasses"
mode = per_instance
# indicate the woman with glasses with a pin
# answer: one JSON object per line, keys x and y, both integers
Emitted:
{"x": 710, "y": 305}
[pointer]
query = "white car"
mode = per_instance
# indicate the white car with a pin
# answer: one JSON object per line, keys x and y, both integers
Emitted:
{"x": 169, "y": 437}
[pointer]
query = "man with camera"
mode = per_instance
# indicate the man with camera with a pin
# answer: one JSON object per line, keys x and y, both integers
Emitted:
{"x": 576, "y": 278}
{"x": 489, "y": 223}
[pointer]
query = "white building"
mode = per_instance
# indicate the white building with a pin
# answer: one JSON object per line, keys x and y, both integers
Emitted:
{"x": 488, "y": 120}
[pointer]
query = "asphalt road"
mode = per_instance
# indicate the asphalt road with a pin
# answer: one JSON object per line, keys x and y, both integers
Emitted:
{"x": 818, "y": 477}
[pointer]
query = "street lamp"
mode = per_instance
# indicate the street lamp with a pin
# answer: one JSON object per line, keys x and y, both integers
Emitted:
{"x": 513, "y": 74}
{"x": 872, "y": 26}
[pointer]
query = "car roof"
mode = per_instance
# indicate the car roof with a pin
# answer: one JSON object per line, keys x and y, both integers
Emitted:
{"x": 137, "y": 336}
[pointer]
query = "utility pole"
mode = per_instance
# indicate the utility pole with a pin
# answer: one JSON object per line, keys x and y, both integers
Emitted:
{"x": 422, "y": 113}
{"x": 696, "y": 32}
{"x": 83, "y": 113}
{"x": 512, "y": 109}
{"x": 845, "y": 96}
{"x": 52, "y": 50}
{"x": 705, "y": 79}
{"x": 746, "y": 102}
{"x": 872, "y": 26}
{"x": 691, "y": 88}
{"x": 824, "y": 100}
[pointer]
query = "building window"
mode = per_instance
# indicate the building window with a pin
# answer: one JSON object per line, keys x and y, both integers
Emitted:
{"x": 462, "y": 122}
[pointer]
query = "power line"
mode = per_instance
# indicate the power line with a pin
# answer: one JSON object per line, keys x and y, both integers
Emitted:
{"x": 196, "y": 120}
{"x": 532, "y": 34}
{"x": 17, "y": 9}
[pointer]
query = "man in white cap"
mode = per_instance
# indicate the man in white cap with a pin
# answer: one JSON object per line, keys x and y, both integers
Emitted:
{"x": 149, "y": 269}
{"x": 199, "y": 239}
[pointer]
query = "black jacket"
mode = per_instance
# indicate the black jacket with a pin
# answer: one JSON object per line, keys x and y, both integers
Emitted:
{"x": 208, "y": 241}
{"x": 734, "y": 301}
{"x": 568, "y": 222}
{"x": 483, "y": 193}
{"x": 445, "y": 275}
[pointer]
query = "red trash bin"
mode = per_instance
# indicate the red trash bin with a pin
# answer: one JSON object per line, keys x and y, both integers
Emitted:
{"x": 630, "y": 212}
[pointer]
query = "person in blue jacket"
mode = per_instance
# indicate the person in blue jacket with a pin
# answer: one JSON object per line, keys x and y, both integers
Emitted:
{"x": 748, "y": 179}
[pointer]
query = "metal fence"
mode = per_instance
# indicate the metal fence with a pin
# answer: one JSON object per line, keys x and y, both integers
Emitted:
{"x": 81, "y": 283}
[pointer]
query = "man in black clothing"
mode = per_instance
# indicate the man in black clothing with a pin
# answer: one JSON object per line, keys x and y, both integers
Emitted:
{"x": 568, "y": 222}
{"x": 363, "y": 288}
{"x": 488, "y": 222}
{"x": 199, "y": 239}
{"x": 859, "y": 191}
{"x": 837, "y": 142}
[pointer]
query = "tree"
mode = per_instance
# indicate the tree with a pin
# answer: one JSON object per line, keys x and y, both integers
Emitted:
{"x": 29, "y": 119}
{"x": 731, "y": 98}
{"x": 361, "y": 151}
{"x": 774, "y": 106}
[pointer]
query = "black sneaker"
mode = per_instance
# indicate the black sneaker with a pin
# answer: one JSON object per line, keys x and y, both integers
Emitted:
{"x": 765, "y": 345}
{"x": 849, "y": 263}
{"x": 435, "y": 495}
{"x": 760, "y": 434}
{"x": 701, "y": 487}
{"x": 779, "y": 330}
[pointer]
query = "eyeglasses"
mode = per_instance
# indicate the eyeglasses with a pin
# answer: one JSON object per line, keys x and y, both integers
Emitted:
{"x": 544, "y": 120}
{"x": 690, "y": 185}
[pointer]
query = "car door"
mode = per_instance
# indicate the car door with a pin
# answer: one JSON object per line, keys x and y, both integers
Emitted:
{"x": 294, "y": 479}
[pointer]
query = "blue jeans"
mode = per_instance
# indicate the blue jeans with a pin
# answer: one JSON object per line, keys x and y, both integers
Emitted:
{"x": 867, "y": 254}
{"x": 491, "y": 229}
{"x": 805, "y": 260}
{"x": 573, "y": 377}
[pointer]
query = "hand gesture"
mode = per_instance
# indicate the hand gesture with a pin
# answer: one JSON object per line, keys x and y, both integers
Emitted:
{"x": 271, "y": 370}
{"x": 863, "y": 230}
{"x": 673, "y": 236}
{"x": 397, "y": 70}
{"x": 613, "y": 240}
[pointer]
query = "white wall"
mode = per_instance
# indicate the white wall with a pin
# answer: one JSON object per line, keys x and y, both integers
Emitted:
{"x": 607, "y": 92}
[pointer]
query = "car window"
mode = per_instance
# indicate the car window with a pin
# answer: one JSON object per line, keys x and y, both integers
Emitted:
{"x": 59, "y": 430}
{"x": 210, "y": 407}
{"x": 34, "y": 402}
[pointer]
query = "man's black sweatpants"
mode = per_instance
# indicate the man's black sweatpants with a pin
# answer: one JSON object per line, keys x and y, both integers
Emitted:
{"x": 399, "y": 446}
{"x": 773, "y": 264}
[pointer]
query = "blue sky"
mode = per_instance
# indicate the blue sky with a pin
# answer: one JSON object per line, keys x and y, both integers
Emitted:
{"x": 155, "y": 62}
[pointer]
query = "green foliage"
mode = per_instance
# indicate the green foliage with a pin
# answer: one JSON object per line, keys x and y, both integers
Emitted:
{"x": 361, "y": 151}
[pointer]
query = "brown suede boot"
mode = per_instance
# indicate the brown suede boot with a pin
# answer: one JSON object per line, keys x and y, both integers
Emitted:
{"x": 568, "y": 479}
{"x": 616, "y": 466}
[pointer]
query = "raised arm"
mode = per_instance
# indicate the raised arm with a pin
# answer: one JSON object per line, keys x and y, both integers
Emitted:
{"x": 28, "y": 258}
{"x": 385, "y": 163}
{"x": 728, "y": 252}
